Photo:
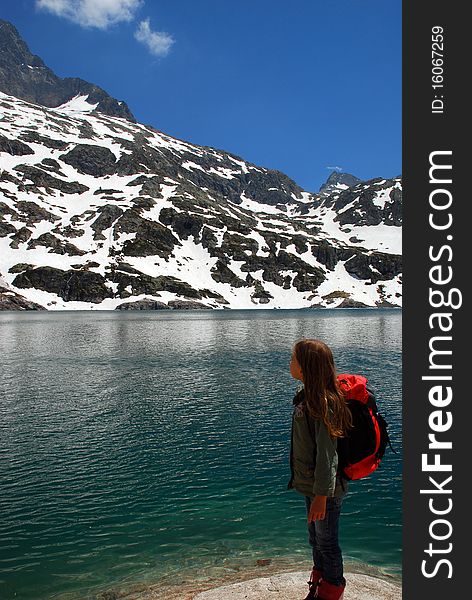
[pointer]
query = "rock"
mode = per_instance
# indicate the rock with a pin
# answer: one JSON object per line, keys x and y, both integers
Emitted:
{"x": 361, "y": 209}
{"x": 260, "y": 293}
{"x": 22, "y": 235}
{"x": 375, "y": 266}
{"x": 223, "y": 274}
{"x": 151, "y": 237}
{"x": 6, "y": 229}
{"x": 107, "y": 215}
{"x": 145, "y": 304}
{"x": 42, "y": 179}
{"x": 14, "y": 147}
{"x": 270, "y": 187}
{"x": 69, "y": 231}
{"x": 19, "y": 267}
{"x": 187, "y": 305}
{"x": 186, "y": 206}
{"x": 108, "y": 595}
{"x": 338, "y": 178}
{"x": 350, "y": 303}
{"x": 10, "y": 300}
{"x": 80, "y": 286}
{"x": 33, "y": 213}
{"x": 52, "y": 165}
{"x": 141, "y": 283}
{"x": 56, "y": 245}
{"x": 293, "y": 586}
{"x": 91, "y": 159}
{"x": 24, "y": 75}
{"x": 184, "y": 224}
{"x": 385, "y": 304}
{"x": 33, "y": 136}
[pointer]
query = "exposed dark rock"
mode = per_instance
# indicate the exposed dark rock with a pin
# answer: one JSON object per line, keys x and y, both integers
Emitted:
{"x": 6, "y": 210}
{"x": 393, "y": 212}
{"x": 237, "y": 246}
{"x": 22, "y": 235}
{"x": 33, "y": 136}
{"x": 42, "y": 179}
{"x": 329, "y": 255}
{"x": 338, "y": 178}
{"x": 375, "y": 266}
{"x": 209, "y": 240}
{"x": 107, "y": 215}
{"x": 300, "y": 242}
{"x": 187, "y": 305}
{"x": 14, "y": 147}
{"x": 10, "y": 300}
{"x": 69, "y": 231}
{"x": 90, "y": 264}
{"x": 214, "y": 295}
{"x": 362, "y": 209}
{"x": 385, "y": 304}
{"x": 270, "y": 187}
{"x": 184, "y": 224}
{"x": 24, "y": 75}
{"x": 146, "y": 158}
{"x": 86, "y": 131}
{"x": 32, "y": 213}
{"x": 101, "y": 191}
{"x": 350, "y": 303}
{"x": 307, "y": 278}
{"x": 5, "y": 176}
{"x": 223, "y": 274}
{"x": 151, "y": 186}
{"x": 19, "y": 267}
{"x": 141, "y": 283}
{"x": 151, "y": 238}
{"x": 145, "y": 304}
{"x": 6, "y": 229}
{"x": 56, "y": 245}
{"x": 80, "y": 286}
{"x": 52, "y": 165}
{"x": 260, "y": 293}
{"x": 91, "y": 159}
{"x": 332, "y": 296}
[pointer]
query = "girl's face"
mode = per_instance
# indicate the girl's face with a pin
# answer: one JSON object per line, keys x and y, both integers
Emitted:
{"x": 295, "y": 369}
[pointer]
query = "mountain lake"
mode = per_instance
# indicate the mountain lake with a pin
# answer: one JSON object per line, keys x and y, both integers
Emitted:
{"x": 153, "y": 446}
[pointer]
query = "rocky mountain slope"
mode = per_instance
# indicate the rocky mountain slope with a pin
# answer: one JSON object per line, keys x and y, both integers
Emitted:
{"x": 24, "y": 75}
{"x": 100, "y": 212}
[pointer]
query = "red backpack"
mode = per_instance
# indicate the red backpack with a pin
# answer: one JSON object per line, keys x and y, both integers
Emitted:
{"x": 361, "y": 450}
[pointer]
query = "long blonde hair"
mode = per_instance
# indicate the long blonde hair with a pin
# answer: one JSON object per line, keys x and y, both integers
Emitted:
{"x": 323, "y": 395}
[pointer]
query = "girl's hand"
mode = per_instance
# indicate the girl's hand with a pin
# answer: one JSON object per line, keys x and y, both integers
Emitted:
{"x": 317, "y": 509}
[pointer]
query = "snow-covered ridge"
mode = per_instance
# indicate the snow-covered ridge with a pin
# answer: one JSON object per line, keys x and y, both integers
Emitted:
{"x": 97, "y": 210}
{"x": 78, "y": 104}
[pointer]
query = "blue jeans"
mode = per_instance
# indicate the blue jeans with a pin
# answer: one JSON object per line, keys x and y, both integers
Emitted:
{"x": 323, "y": 538}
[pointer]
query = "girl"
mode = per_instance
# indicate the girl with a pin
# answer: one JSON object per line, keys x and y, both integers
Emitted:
{"x": 320, "y": 416}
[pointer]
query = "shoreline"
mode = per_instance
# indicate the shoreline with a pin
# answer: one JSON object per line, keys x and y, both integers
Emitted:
{"x": 249, "y": 578}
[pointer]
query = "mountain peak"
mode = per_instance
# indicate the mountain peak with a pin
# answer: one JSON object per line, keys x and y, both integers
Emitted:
{"x": 337, "y": 179}
{"x": 24, "y": 75}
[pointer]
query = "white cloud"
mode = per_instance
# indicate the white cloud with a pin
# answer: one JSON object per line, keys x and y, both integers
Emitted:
{"x": 92, "y": 13}
{"x": 157, "y": 42}
{"x": 335, "y": 168}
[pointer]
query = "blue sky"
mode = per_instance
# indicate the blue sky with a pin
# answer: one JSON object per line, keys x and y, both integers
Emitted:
{"x": 301, "y": 86}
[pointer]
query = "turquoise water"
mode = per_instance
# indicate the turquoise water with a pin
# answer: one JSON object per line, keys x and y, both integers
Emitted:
{"x": 138, "y": 445}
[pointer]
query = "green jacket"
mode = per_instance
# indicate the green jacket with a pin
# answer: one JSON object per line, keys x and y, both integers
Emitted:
{"x": 313, "y": 456}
